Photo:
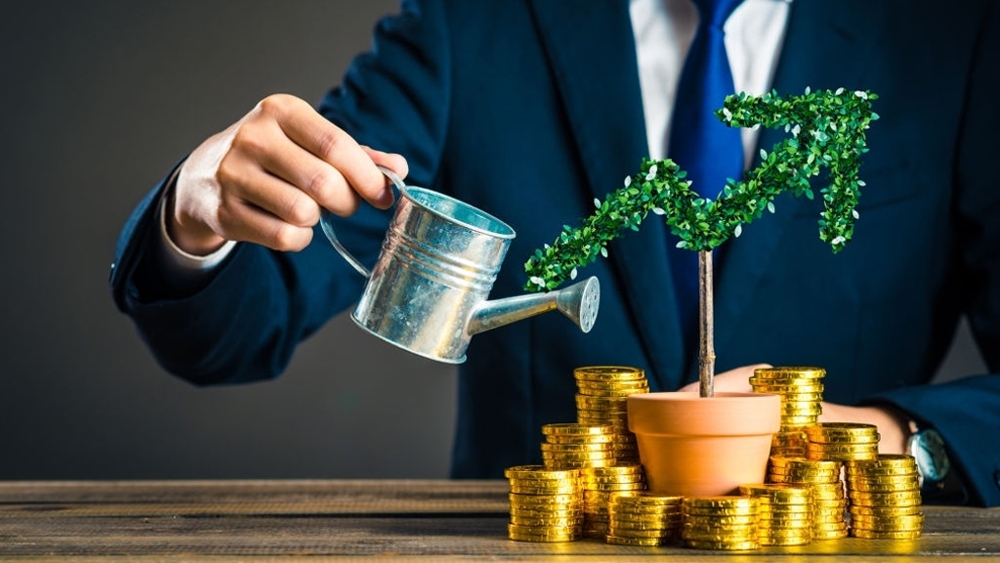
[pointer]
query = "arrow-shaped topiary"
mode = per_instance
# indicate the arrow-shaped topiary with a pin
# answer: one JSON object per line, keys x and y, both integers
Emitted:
{"x": 827, "y": 129}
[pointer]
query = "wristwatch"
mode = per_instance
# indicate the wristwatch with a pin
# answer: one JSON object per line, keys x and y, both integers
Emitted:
{"x": 927, "y": 447}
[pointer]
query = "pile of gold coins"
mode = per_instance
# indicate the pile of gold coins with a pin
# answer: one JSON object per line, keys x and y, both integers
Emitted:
{"x": 784, "y": 513}
{"x": 842, "y": 441}
{"x": 728, "y": 523}
{"x": 644, "y": 519}
{"x": 592, "y": 484}
{"x": 570, "y": 445}
{"x": 801, "y": 391}
{"x": 600, "y": 485}
{"x": 885, "y": 498}
{"x": 546, "y": 505}
{"x": 602, "y": 400}
{"x": 823, "y": 477}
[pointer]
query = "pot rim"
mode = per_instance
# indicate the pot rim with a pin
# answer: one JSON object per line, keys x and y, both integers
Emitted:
{"x": 686, "y": 413}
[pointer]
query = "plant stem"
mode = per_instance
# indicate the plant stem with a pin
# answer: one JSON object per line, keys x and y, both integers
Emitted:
{"x": 706, "y": 322}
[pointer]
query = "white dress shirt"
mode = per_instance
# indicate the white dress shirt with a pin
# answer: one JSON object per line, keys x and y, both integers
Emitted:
{"x": 664, "y": 30}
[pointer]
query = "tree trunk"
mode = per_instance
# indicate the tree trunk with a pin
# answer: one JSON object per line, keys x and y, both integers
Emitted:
{"x": 706, "y": 323}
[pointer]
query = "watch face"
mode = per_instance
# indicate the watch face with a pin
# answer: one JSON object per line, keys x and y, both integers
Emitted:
{"x": 928, "y": 450}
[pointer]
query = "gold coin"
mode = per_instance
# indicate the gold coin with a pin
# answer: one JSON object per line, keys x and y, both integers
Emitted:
{"x": 578, "y": 455}
{"x": 811, "y": 372}
{"x": 574, "y": 429}
{"x": 912, "y": 484}
{"x": 523, "y": 488}
{"x": 557, "y": 463}
{"x": 566, "y": 440}
{"x": 648, "y": 499}
{"x": 829, "y": 535}
{"x": 808, "y": 397}
{"x": 908, "y": 522}
{"x": 659, "y": 524}
{"x": 786, "y": 522}
{"x": 835, "y": 432}
{"x": 650, "y": 517}
{"x": 883, "y": 511}
{"x": 614, "y": 471}
{"x": 618, "y": 487}
{"x": 539, "y": 472}
{"x": 723, "y": 545}
{"x": 544, "y": 536}
{"x": 785, "y": 386}
{"x": 517, "y": 499}
{"x": 901, "y": 498}
{"x": 884, "y": 464}
{"x": 789, "y": 437}
{"x": 601, "y": 447}
{"x": 525, "y": 516}
{"x": 842, "y": 447}
{"x": 546, "y": 522}
{"x": 638, "y": 533}
{"x": 877, "y": 479}
{"x": 646, "y": 542}
{"x": 791, "y": 422}
{"x": 610, "y": 389}
{"x": 764, "y": 541}
{"x": 732, "y": 534}
{"x": 777, "y": 492}
{"x": 869, "y": 534}
{"x": 583, "y": 383}
{"x": 801, "y": 409}
{"x": 803, "y": 464}
{"x": 713, "y": 521}
{"x": 712, "y": 504}
{"x": 842, "y": 455}
{"x": 609, "y": 373}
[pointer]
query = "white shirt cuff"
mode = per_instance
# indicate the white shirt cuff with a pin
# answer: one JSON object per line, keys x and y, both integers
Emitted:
{"x": 180, "y": 262}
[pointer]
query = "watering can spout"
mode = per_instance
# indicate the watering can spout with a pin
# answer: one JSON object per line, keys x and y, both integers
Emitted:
{"x": 579, "y": 302}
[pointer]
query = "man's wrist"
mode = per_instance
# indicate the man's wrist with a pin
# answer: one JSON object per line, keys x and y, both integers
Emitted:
{"x": 176, "y": 258}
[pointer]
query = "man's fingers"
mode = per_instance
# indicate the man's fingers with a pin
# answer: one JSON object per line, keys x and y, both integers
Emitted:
{"x": 330, "y": 144}
{"x": 241, "y": 220}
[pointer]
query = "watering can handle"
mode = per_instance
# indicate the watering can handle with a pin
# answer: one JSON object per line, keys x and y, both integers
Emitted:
{"x": 327, "y": 226}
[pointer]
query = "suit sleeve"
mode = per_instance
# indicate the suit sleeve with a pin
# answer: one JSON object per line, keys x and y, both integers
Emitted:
{"x": 244, "y": 323}
{"x": 967, "y": 411}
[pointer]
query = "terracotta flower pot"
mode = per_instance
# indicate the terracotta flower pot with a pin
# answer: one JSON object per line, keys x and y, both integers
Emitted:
{"x": 695, "y": 446}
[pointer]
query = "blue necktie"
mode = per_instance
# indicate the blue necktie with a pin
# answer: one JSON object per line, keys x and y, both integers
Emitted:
{"x": 699, "y": 143}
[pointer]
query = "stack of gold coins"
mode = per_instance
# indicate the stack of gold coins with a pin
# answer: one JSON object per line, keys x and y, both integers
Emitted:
{"x": 546, "y": 505}
{"x": 720, "y": 522}
{"x": 601, "y": 400}
{"x": 784, "y": 513}
{"x": 843, "y": 441}
{"x": 569, "y": 445}
{"x": 599, "y": 485}
{"x": 643, "y": 518}
{"x": 823, "y": 477}
{"x": 801, "y": 393}
{"x": 885, "y": 497}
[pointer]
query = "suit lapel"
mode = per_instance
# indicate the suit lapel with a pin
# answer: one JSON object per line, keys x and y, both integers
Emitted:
{"x": 825, "y": 47}
{"x": 591, "y": 49}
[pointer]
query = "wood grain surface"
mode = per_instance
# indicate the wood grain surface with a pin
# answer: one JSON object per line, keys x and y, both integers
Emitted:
{"x": 341, "y": 520}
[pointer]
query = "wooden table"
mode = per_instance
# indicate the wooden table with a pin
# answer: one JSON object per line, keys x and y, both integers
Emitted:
{"x": 429, "y": 520}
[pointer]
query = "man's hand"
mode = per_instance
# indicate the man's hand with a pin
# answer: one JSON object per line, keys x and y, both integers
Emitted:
{"x": 267, "y": 177}
{"x": 892, "y": 426}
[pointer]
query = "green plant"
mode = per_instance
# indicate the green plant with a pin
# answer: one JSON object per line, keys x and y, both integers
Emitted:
{"x": 827, "y": 130}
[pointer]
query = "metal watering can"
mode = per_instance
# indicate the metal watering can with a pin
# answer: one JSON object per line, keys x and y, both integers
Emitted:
{"x": 428, "y": 290}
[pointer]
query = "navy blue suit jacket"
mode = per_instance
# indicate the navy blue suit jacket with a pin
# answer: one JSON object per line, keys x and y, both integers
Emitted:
{"x": 530, "y": 109}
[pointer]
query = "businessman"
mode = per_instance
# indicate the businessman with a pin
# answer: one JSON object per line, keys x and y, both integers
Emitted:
{"x": 531, "y": 109}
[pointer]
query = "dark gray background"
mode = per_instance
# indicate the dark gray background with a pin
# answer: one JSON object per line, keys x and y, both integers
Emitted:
{"x": 99, "y": 98}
